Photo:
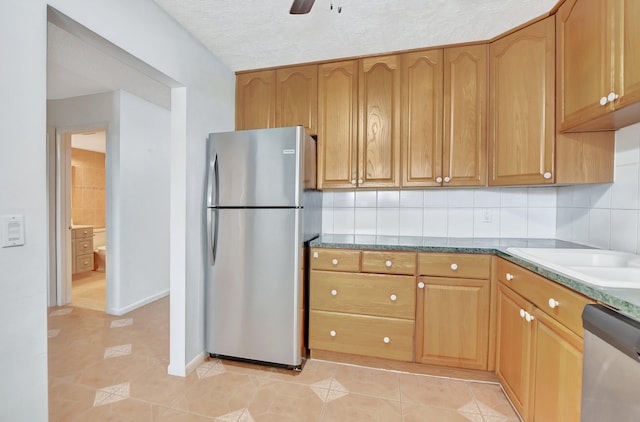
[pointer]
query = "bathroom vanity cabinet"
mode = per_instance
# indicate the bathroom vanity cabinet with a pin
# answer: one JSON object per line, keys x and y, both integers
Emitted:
{"x": 82, "y": 249}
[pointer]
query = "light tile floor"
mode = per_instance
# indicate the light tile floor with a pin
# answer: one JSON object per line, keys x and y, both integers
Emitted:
{"x": 88, "y": 290}
{"x": 105, "y": 368}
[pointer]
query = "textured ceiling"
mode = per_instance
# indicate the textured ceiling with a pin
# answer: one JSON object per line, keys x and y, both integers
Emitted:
{"x": 253, "y": 34}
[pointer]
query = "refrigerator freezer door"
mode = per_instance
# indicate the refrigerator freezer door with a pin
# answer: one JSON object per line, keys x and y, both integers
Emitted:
{"x": 254, "y": 289}
{"x": 256, "y": 168}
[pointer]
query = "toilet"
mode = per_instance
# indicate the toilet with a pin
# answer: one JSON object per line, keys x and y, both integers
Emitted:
{"x": 100, "y": 249}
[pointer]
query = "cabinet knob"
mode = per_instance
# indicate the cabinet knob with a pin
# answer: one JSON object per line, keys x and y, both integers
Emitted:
{"x": 547, "y": 175}
{"x": 332, "y": 333}
{"x": 334, "y": 261}
{"x": 360, "y": 181}
{"x": 553, "y": 303}
{"x": 454, "y": 267}
{"x": 388, "y": 263}
{"x": 509, "y": 277}
{"x": 447, "y": 179}
{"x": 528, "y": 317}
{"x": 393, "y": 298}
{"x": 421, "y": 285}
{"x": 386, "y": 340}
{"x": 522, "y": 313}
{"x": 612, "y": 97}
{"x": 353, "y": 181}
{"x": 439, "y": 179}
{"x": 334, "y": 292}
{"x": 86, "y": 262}
{"x": 315, "y": 254}
{"x": 603, "y": 101}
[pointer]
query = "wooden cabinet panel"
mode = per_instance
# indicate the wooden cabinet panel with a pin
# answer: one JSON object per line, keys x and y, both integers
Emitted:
{"x": 514, "y": 347}
{"x": 452, "y": 324}
{"x": 297, "y": 97}
{"x": 361, "y": 335}
{"x": 465, "y": 116}
{"x": 385, "y": 262}
{"x": 337, "y": 124}
{"x": 335, "y": 259}
{"x": 379, "y": 123}
{"x": 456, "y": 265}
{"x": 255, "y": 100}
{"x": 631, "y": 61}
{"x": 558, "y": 372}
{"x": 522, "y": 106}
{"x": 422, "y": 106}
{"x": 369, "y": 294}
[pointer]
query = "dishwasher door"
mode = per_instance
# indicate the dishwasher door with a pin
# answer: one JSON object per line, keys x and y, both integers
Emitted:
{"x": 611, "y": 367}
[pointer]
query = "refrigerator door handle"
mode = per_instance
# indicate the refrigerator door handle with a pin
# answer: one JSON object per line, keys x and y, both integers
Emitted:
{"x": 212, "y": 234}
{"x": 213, "y": 183}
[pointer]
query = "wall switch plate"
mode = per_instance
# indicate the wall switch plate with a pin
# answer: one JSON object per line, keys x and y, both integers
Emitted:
{"x": 12, "y": 230}
{"x": 486, "y": 215}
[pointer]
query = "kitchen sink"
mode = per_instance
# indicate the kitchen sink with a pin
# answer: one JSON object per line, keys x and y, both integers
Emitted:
{"x": 601, "y": 268}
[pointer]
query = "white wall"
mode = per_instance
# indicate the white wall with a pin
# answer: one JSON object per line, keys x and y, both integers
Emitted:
{"x": 440, "y": 212}
{"x": 140, "y": 204}
{"x": 142, "y": 29}
{"x": 608, "y": 215}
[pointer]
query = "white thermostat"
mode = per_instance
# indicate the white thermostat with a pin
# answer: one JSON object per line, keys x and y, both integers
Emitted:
{"x": 12, "y": 230}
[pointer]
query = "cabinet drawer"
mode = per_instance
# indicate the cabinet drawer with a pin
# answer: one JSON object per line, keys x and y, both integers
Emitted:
{"x": 454, "y": 265}
{"x": 389, "y": 262}
{"x": 557, "y": 301}
{"x": 361, "y": 335}
{"x": 83, "y": 232}
{"x": 335, "y": 259}
{"x": 84, "y": 263}
{"x": 370, "y": 294}
{"x": 83, "y": 246}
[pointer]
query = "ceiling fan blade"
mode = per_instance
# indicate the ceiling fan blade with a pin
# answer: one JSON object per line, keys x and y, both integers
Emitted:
{"x": 300, "y": 7}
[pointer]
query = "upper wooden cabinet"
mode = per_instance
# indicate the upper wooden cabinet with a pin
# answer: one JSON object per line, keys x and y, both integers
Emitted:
{"x": 522, "y": 106}
{"x": 256, "y": 100}
{"x": 337, "y": 125}
{"x": 598, "y": 64}
{"x": 278, "y": 98}
{"x": 379, "y": 123}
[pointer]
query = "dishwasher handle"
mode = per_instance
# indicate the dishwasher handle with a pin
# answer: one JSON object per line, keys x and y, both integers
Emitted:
{"x": 619, "y": 331}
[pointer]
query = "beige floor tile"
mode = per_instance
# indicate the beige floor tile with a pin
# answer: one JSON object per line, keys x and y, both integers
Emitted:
{"x": 438, "y": 392}
{"x": 247, "y": 368}
{"x": 88, "y": 290}
{"x": 367, "y": 381}
{"x": 356, "y": 407}
{"x": 112, "y": 371}
{"x": 163, "y": 414}
{"x": 127, "y": 410}
{"x": 492, "y": 401}
{"x": 283, "y": 401}
{"x": 68, "y": 400}
{"x": 313, "y": 372}
{"x": 420, "y": 413}
{"x": 158, "y": 387}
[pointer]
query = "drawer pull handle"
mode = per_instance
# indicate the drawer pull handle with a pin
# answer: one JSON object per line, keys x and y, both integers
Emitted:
{"x": 553, "y": 303}
{"x": 86, "y": 262}
{"x": 522, "y": 313}
{"x": 393, "y": 298}
{"x": 85, "y": 246}
{"x": 454, "y": 267}
{"x": 421, "y": 285}
{"x": 334, "y": 292}
{"x": 332, "y": 333}
{"x": 387, "y": 340}
{"x": 334, "y": 261}
{"x": 510, "y": 277}
{"x": 388, "y": 263}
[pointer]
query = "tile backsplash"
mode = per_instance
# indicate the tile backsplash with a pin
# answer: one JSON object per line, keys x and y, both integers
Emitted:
{"x": 608, "y": 215}
{"x": 479, "y": 212}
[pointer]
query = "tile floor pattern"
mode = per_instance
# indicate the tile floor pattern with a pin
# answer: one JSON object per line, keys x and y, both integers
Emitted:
{"x": 88, "y": 290}
{"x": 104, "y": 368}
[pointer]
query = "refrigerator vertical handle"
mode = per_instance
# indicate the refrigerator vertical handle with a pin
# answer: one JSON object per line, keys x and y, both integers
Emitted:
{"x": 212, "y": 182}
{"x": 212, "y": 234}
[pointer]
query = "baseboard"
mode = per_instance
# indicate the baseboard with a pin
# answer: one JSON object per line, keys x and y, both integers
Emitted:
{"x": 195, "y": 362}
{"x": 138, "y": 304}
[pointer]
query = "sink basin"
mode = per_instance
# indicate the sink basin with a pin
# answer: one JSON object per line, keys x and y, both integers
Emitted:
{"x": 594, "y": 266}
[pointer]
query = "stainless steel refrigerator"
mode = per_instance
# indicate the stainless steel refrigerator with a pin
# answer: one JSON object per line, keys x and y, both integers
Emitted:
{"x": 262, "y": 210}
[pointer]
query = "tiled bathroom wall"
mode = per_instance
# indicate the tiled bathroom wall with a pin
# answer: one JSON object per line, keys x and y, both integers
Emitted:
{"x": 88, "y": 194}
{"x": 481, "y": 212}
{"x": 608, "y": 215}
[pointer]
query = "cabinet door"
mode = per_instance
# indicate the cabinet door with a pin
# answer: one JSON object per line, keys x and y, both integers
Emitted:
{"x": 379, "y": 124}
{"x": 522, "y": 105}
{"x": 255, "y": 100}
{"x": 513, "y": 350}
{"x": 337, "y": 124}
{"x": 422, "y": 118}
{"x": 465, "y": 116}
{"x": 630, "y": 14}
{"x": 558, "y": 372}
{"x": 452, "y": 324}
{"x": 297, "y": 97}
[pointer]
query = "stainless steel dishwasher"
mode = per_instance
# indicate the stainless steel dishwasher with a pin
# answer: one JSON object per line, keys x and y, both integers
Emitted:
{"x": 611, "y": 366}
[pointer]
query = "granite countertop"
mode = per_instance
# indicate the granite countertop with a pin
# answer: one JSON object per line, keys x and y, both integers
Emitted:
{"x": 626, "y": 301}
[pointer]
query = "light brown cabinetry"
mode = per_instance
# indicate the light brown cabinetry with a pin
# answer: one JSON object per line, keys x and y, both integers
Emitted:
{"x": 599, "y": 64}
{"x": 82, "y": 249}
{"x": 539, "y": 344}
{"x": 359, "y": 312}
{"x": 452, "y": 311}
{"x": 277, "y": 98}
